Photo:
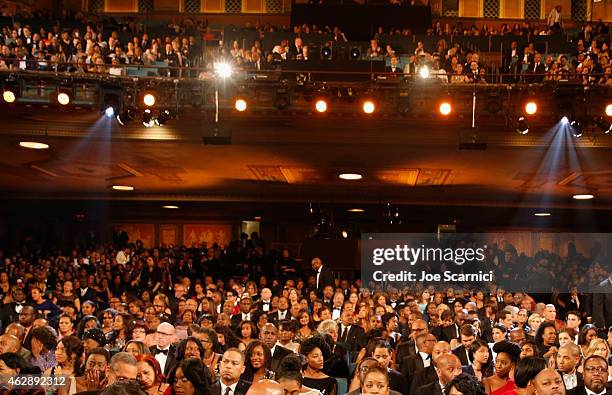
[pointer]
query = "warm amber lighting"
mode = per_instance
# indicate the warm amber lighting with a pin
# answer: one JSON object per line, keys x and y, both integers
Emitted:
{"x": 585, "y": 196}
{"x": 149, "y": 100}
{"x": 356, "y": 210}
{"x": 445, "y": 108}
{"x": 609, "y": 110}
{"x": 171, "y": 207}
{"x": 63, "y": 98}
{"x": 542, "y": 214}
{"x": 33, "y": 145}
{"x": 240, "y": 105}
{"x": 9, "y": 96}
{"x": 123, "y": 187}
{"x": 350, "y": 176}
{"x": 321, "y": 105}
{"x": 531, "y": 108}
{"x": 368, "y": 107}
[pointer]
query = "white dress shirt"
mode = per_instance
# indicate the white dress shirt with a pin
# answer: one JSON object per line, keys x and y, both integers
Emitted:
{"x": 426, "y": 359}
{"x": 162, "y": 358}
{"x": 231, "y": 387}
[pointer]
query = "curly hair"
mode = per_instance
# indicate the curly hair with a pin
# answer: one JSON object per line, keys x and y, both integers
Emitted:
{"x": 74, "y": 349}
{"x": 249, "y": 370}
{"x": 46, "y": 336}
{"x": 465, "y": 384}
{"x": 182, "y": 346}
{"x": 196, "y": 372}
{"x": 316, "y": 341}
{"x": 512, "y": 349}
{"x": 290, "y": 368}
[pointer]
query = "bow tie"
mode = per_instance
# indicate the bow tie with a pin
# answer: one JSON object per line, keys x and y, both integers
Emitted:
{"x": 162, "y": 351}
{"x": 337, "y": 308}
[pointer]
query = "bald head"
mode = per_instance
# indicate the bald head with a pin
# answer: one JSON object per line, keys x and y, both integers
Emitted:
{"x": 265, "y": 387}
{"x": 440, "y": 348}
{"x": 448, "y": 366}
{"x": 165, "y": 335}
{"x": 9, "y": 343}
{"x": 548, "y": 382}
{"x": 16, "y": 330}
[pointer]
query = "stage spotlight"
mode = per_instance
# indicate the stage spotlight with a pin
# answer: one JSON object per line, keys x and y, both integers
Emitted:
{"x": 604, "y": 125}
{"x": 147, "y": 118}
{"x": 326, "y": 53}
{"x": 321, "y": 105}
{"x": 109, "y": 112}
{"x": 223, "y": 70}
{"x": 149, "y": 100}
{"x": 609, "y": 110}
{"x": 63, "y": 98}
{"x": 9, "y": 96}
{"x": 125, "y": 117}
{"x": 531, "y": 108}
{"x": 564, "y": 120}
{"x": 445, "y": 108}
{"x": 368, "y": 107}
{"x": 577, "y": 129}
{"x": 355, "y": 53}
{"x": 240, "y": 105}
{"x": 424, "y": 72}
{"x": 162, "y": 118}
{"x": 521, "y": 126}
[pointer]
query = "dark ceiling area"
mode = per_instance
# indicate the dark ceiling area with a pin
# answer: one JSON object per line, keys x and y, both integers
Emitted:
{"x": 277, "y": 164}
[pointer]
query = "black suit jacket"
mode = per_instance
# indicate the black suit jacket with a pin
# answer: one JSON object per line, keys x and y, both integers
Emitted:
{"x": 462, "y": 354}
{"x": 398, "y": 383}
{"x": 449, "y": 333}
{"x": 241, "y": 387}
{"x": 430, "y": 389}
{"x": 236, "y": 320}
{"x": 277, "y": 357}
{"x": 89, "y": 295}
{"x": 579, "y": 379}
{"x": 8, "y": 314}
{"x": 354, "y": 340}
{"x": 405, "y": 349}
{"x": 171, "y": 361}
{"x": 325, "y": 278}
{"x": 273, "y": 317}
{"x": 423, "y": 377}
{"x": 581, "y": 390}
{"x": 411, "y": 366}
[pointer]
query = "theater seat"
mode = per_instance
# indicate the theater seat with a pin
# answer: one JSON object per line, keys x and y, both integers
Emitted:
{"x": 342, "y": 386}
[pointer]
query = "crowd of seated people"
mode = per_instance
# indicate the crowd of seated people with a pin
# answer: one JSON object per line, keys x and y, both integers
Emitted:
{"x": 198, "y": 320}
{"x": 117, "y": 47}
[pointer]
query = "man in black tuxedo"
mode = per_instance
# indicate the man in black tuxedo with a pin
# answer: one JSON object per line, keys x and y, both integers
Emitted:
{"x": 245, "y": 312}
{"x": 536, "y": 69}
{"x": 447, "y": 368}
{"x": 452, "y": 331}
{"x": 269, "y": 336}
{"x": 164, "y": 351}
{"x": 323, "y": 275}
{"x": 394, "y": 68}
{"x": 231, "y": 367}
{"x": 567, "y": 359}
{"x": 264, "y": 305}
{"x": 84, "y": 293}
{"x": 462, "y": 351}
{"x": 429, "y": 375}
{"x": 595, "y": 374}
{"x": 282, "y": 313}
{"x": 414, "y": 364}
{"x": 408, "y": 347}
{"x": 353, "y": 336}
{"x": 9, "y": 312}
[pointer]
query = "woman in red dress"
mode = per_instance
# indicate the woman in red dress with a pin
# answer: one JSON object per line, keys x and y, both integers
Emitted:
{"x": 502, "y": 383}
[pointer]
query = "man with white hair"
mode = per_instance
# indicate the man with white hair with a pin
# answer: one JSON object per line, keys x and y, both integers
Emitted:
{"x": 264, "y": 305}
{"x": 164, "y": 350}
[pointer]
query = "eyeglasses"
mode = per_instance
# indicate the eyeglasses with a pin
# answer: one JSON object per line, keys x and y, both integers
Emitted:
{"x": 164, "y": 334}
{"x": 594, "y": 369}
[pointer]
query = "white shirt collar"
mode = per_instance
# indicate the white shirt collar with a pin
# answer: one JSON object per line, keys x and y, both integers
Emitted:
{"x": 272, "y": 350}
{"x": 589, "y": 392}
{"x": 232, "y": 387}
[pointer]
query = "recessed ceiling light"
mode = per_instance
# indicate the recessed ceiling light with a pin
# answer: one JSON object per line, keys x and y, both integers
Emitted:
{"x": 356, "y": 210}
{"x": 170, "y": 207}
{"x": 123, "y": 187}
{"x": 542, "y": 214}
{"x": 257, "y": 218}
{"x": 583, "y": 196}
{"x": 33, "y": 145}
{"x": 350, "y": 176}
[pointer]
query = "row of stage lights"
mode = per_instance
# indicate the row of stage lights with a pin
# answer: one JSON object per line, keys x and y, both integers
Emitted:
{"x": 576, "y": 126}
{"x": 322, "y": 105}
